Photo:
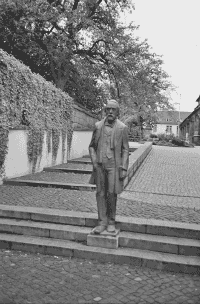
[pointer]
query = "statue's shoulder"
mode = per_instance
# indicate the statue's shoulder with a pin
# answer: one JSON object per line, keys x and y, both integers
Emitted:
{"x": 99, "y": 124}
{"x": 120, "y": 124}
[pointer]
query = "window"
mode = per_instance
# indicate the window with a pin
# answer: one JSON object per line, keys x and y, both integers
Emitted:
{"x": 169, "y": 129}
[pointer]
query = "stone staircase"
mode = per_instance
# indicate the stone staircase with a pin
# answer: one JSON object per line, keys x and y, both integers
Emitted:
{"x": 73, "y": 175}
{"x": 170, "y": 246}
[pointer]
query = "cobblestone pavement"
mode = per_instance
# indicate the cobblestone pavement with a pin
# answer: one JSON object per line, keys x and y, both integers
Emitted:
{"x": 169, "y": 177}
{"x": 36, "y": 278}
{"x": 85, "y": 201}
{"x": 39, "y": 279}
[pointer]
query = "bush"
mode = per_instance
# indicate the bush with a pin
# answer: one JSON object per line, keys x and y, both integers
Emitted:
{"x": 153, "y": 136}
{"x": 165, "y": 137}
{"x": 178, "y": 142}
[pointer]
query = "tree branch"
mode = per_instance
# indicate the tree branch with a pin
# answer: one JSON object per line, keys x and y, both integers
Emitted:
{"x": 93, "y": 9}
{"x": 76, "y": 2}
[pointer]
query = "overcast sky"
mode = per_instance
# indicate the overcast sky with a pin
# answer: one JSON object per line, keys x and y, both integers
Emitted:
{"x": 172, "y": 30}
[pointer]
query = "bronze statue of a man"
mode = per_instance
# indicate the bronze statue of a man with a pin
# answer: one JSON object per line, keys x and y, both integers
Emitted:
{"x": 109, "y": 152}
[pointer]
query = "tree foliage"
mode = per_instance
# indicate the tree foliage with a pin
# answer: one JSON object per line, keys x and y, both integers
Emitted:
{"x": 85, "y": 48}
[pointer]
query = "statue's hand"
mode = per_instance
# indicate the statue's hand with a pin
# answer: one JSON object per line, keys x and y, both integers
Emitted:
{"x": 122, "y": 173}
{"x": 95, "y": 165}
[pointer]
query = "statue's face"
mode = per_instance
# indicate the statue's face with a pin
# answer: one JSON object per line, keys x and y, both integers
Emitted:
{"x": 111, "y": 113}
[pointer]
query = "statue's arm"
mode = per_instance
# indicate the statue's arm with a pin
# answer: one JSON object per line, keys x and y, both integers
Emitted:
{"x": 92, "y": 149}
{"x": 125, "y": 149}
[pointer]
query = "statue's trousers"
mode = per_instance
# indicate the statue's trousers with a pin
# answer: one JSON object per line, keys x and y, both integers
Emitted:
{"x": 106, "y": 197}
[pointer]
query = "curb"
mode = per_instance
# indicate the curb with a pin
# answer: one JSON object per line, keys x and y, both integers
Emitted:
{"x": 136, "y": 159}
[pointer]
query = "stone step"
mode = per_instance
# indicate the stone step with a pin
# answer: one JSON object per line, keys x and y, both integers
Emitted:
{"x": 42, "y": 229}
{"x": 174, "y": 245}
{"x": 67, "y": 170}
{"x": 82, "y": 160}
{"x": 136, "y": 257}
{"x": 72, "y": 165}
{"x": 138, "y": 225}
{"x": 165, "y": 244}
{"x": 36, "y": 183}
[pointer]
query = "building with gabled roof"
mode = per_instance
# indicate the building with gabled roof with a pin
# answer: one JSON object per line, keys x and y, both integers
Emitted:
{"x": 168, "y": 122}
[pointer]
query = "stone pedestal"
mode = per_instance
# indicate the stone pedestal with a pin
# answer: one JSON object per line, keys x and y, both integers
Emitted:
{"x": 104, "y": 240}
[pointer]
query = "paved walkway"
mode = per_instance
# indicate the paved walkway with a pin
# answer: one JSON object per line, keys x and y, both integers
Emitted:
{"x": 39, "y": 279}
{"x": 166, "y": 187}
{"x": 169, "y": 177}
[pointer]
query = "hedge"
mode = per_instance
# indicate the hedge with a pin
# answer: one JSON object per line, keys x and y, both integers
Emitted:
{"x": 28, "y": 100}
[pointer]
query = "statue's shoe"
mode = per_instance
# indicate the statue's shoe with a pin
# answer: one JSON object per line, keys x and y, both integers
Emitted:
{"x": 99, "y": 229}
{"x": 111, "y": 228}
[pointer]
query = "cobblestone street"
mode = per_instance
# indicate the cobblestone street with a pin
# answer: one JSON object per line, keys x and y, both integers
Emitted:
{"x": 39, "y": 279}
{"x": 166, "y": 187}
{"x": 168, "y": 177}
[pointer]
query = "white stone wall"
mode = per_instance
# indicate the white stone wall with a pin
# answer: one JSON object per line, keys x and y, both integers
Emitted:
{"x": 80, "y": 143}
{"x": 17, "y": 163}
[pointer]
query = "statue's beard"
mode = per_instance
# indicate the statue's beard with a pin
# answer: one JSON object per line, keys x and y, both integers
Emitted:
{"x": 110, "y": 118}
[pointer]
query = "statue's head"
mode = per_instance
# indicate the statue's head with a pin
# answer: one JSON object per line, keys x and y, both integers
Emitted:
{"x": 112, "y": 110}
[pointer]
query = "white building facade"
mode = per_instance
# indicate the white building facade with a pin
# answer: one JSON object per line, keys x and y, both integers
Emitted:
{"x": 168, "y": 122}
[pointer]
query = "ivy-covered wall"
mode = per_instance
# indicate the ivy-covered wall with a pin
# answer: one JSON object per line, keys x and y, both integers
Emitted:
{"x": 29, "y": 102}
{"x": 83, "y": 119}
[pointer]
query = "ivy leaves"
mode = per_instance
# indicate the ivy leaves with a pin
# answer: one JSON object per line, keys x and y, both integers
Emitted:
{"x": 41, "y": 107}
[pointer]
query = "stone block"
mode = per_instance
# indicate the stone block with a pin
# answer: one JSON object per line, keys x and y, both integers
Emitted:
{"x": 91, "y": 222}
{"x": 34, "y": 231}
{"x": 133, "y": 227}
{"x": 189, "y": 250}
{"x": 172, "y": 231}
{"x": 153, "y": 264}
{"x": 72, "y": 233}
{"x": 23, "y": 227}
{"x": 14, "y": 214}
{"x": 4, "y": 245}
{"x": 58, "y": 251}
{"x": 61, "y": 234}
{"x": 104, "y": 240}
{"x": 144, "y": 242}
{"x": 33, "y": 248}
